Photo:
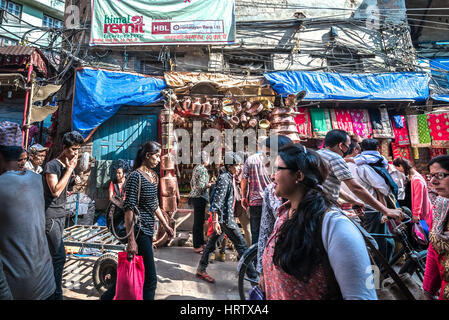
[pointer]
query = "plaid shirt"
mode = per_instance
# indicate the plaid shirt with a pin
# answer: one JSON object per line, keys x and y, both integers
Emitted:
{"x": 258, "y": 178}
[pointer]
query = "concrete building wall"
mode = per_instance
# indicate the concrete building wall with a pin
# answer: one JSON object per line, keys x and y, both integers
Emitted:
{"x": 33, "y": 12}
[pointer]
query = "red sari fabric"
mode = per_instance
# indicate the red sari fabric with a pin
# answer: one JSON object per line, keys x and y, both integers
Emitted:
{"x": 439, "y": 129}
{"x": 341, "y": 119}
{"x": 401, "y": 134}
{"x": 302, "y": 120}
{"x": 435, "y": 152}
{"x": 401, "y": 151}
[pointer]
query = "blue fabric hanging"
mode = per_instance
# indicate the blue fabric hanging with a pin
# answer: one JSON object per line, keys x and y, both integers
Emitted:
{"x": 99, "y": 94}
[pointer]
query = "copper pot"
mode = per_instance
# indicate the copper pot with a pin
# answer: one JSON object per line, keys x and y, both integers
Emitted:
{"x": 207, "y": 108}
{"x": 186, "y": 104}
{"x": 235, "y": 120}
{"x": 169, "y": 204}
{"x": 167, "y": 162}
{"x": 167, "y": 128}
{"x": 282, "y": 111}
{"x": 286, "y": 128}
{"x": 168, "y": 141}
{"x": 253, "y": 122}
{"x": 237, "y": 107}
{"x": 166, "y": 116}
{"x": 284, "y": 120}
{"x": 256, "y": 108}
{"x": 196, "y": 106}
{"x": 169, "y": 185}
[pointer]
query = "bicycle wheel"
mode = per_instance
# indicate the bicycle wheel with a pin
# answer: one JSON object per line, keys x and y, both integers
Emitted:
{"x": 244, "y": 282}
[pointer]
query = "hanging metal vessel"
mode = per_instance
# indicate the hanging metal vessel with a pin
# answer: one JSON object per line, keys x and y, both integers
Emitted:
{"x": 169, "y": 185}
{"x": 166, "y": 116}
{"x": 169, "y": 204}
{"x": 167, "y": 162}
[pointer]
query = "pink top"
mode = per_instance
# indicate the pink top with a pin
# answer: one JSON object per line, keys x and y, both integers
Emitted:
{"x": 421, "y": 205}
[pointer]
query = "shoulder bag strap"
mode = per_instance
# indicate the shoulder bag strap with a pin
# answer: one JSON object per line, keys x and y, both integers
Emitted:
{"x": 385, "y": 264}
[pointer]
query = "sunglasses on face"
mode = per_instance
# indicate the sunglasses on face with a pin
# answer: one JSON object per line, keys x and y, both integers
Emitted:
{"x": 438, "y": 175}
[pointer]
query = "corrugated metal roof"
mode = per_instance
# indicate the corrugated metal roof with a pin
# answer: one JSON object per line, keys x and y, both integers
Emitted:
{"x": 21, "y": 55}
{"x": 17, "y": 50}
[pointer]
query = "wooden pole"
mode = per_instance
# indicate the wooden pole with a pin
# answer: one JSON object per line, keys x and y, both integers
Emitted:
{"x": 27, "y": 96}
{"x": 29, "y": 115}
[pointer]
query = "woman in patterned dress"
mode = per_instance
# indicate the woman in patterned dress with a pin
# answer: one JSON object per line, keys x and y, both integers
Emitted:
{"x": 315, "y": 252}
{"x": 436, "y": 276}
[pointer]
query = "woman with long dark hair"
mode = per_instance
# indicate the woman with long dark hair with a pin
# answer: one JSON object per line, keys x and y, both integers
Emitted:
{"x": 140, "y": 239}
{"x": 436, "y": 276}
{"x": 314, "y": 252}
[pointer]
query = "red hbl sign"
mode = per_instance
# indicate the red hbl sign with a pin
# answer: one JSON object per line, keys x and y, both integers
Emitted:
{"x": 160, "y": 28}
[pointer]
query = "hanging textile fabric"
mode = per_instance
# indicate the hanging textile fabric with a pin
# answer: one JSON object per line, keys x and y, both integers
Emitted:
{"x": 423, "y": 132}
{"x": 302, "y": 120}
{"x": 400, "y": 131}
{"x": 401, "y": 151}
{"x": 385, "y": 148}
{"x": 341, "y": 119}
{"x": 321, "y": 123}
{"x": 361, "y": 123}
{"x": 412, "y": 123}
{"x": 380, "y": 123}
{"x": 435, "y": 152}
{"x": 439, "y": 129}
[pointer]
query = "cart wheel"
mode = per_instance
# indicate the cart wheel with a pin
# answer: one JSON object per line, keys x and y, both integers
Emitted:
{"x": 104, "y": 272}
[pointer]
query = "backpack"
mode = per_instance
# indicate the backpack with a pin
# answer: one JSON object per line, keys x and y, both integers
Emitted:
{"x": 115, "y": 215}
{"x": 383, "y": 172}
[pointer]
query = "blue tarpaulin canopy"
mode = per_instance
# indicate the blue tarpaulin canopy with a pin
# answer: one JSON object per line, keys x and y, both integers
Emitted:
{"x": 348, "y": 86}
{"x": 100, "y": 93}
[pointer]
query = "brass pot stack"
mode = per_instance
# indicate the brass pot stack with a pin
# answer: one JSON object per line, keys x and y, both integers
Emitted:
{"x": 169, "y": 182}
{"x": 283, "y": 123}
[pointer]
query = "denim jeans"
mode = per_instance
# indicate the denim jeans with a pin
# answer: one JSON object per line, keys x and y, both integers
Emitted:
{"x": 145, "y": 249}
{"x": 233, "y": 233}
{"x": 199, "y": 215}
{"x": 54, "y": 229}
{"x": 255, "y": 215}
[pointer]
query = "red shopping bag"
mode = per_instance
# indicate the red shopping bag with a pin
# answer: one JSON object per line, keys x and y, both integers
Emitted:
{"x": 130, "y": 278}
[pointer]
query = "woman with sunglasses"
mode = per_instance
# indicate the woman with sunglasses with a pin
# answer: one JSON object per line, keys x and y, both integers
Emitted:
{"x": 315, "y": 252}
{"x": 436, "y": 276}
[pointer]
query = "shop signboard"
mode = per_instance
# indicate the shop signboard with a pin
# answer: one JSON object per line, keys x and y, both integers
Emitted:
{"x": 162, "y": 22}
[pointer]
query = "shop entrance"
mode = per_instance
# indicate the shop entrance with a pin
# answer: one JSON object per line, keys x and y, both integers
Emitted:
{"x": 119, "y": 138}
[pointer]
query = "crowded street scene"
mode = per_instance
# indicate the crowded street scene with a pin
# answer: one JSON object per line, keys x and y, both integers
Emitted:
{"x": 224, "y": 150}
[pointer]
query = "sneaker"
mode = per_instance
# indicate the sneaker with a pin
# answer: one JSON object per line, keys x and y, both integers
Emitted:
{"x": 221, "y": 257}
{"x": 212, "y": 257}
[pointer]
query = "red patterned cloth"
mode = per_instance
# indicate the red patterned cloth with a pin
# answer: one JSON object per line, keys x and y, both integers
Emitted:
{"x": 303, "y": 124}
{"x": 400, "y": 133}
{"x": 439, "y": 129}
{"x": 435, "y": 152}
{"x": 341, "y": 119}
{"x": 401, "y": 151}
{"x": 361, "y": 123}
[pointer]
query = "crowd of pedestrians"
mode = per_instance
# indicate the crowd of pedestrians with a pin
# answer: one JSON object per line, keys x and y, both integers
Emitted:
{"x": 297, "y": 210}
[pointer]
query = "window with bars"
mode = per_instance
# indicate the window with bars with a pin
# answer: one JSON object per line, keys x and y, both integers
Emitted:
{"x": 11, "y": 11}
{"x": 8, "y": 42}
{"x": 51, "y": 22}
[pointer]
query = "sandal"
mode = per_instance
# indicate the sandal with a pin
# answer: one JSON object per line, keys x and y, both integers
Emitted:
{"x": 205, "y": 277}
{"x": 198, "y": 250}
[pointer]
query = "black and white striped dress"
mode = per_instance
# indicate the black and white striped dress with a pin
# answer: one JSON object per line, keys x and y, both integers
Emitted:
{"x": 148, "y": 202}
